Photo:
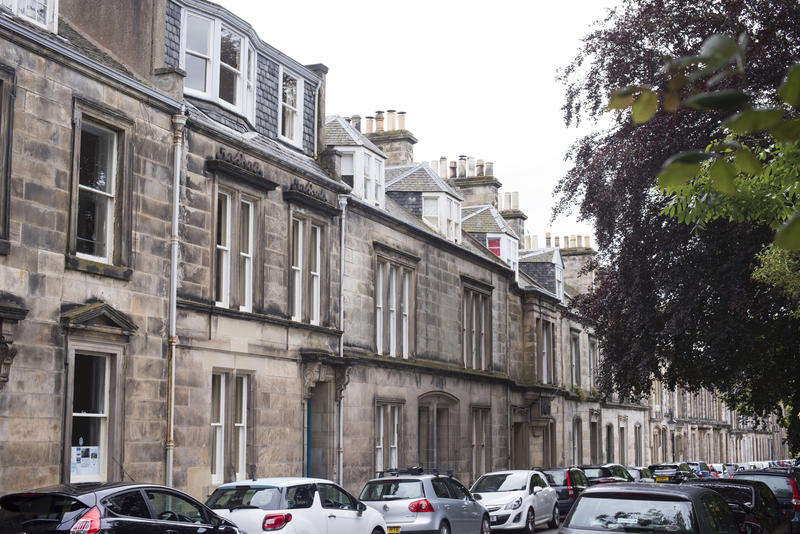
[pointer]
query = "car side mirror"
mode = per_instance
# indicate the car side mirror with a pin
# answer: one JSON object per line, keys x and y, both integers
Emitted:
{"x": 751, "y": 528}
{"x": 361, "y": 507}
{"x": 477, "y": 496}
{"x": 537, "y": 489}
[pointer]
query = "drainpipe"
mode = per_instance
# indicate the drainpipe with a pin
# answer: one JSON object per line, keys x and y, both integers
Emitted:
{"x": 178, "y": 123}
{"x": 342, "y": 231}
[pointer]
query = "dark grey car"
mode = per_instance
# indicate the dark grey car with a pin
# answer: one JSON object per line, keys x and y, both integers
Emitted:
{"x": 425, "y": 503}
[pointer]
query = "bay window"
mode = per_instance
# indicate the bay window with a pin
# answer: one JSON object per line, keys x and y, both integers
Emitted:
{"x": 219, "y": 63}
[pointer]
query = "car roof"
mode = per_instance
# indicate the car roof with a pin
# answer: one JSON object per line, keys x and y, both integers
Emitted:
{"x": 87, "y": 488}
{"x": 786, "y": 472}
{"x": 280, "y": 482}
{"x": 648, "y": 488}
{"x": 723, "y": 482}
{"x": 512, "y": 471}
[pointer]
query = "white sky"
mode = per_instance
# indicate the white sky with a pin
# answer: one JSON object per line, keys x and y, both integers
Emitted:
{"x": 474, "y": 77}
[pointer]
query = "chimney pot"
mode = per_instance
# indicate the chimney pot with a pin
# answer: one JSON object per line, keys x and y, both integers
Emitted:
{"x": 566, "y": 241}
{"x": 479, "y": 166}
{"x": 489, "y": 168}
{"x": 586, "y": 242}
{"x": 355, "y": 120}
{"x": 462, "y": 166}
{"x": 379, "y": 121}
{"x": 390, "y": 121}
{"x": 506, "y": 201}
{"x": 535, "y": 241}
{"x": 515, "y": 200}
{"x": 572, "y": 242}
{"x": 443, "y": 172}
{"x": 557, "y": 242}
{"x": 470, "y": 166}
{"x": 547, "y": 240}
{"x": 401, "y": 120}
{"x": 452, "y": 169}
{"x": 370, "y": 124}
{"x": 580, "y": 241}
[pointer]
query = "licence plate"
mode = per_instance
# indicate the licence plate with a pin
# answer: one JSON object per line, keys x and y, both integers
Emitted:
{"x": 662, "y": 479}
{"x": 393, "y": 530}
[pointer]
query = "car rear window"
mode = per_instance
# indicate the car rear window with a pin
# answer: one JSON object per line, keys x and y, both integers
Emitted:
{"x": 264, "y": 497}
{"x": 556, "y": 477}
{"x": 392, "y": 490}
{"x": 781, "y": 486}
{"x": 624, "y": 513}
{"x": 668, "y": 467}
{"x": 37, "y": 512}
{"x": 731, "y": 493}
{"x": 597, "y": 472}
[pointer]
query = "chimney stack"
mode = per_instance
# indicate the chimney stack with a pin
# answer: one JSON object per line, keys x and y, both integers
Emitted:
{"x": 390, "y": 121}
{"x": 462, "y": 166}
{"x": 370, "y": 124}
{"x": 547, "y": 240}
{"x": 489, "y": 168}
{"x": 479, "y": 167}
{"x": 355, "y": 120}
{"x": 401, "y": 120}
{"x": 443, "y": 172}
{"x": 379, "y": 121}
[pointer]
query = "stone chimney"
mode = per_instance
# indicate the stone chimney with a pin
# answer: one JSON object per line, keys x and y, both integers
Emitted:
{"x": 397, "y": 144}
{"x": 474, "y": 181}
{"x": 355, "y": 120}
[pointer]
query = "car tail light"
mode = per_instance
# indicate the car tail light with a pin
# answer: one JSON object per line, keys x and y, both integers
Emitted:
{"x": 795, "y": 494}
{"x": 569, "y": 486}
{"x": 421, "y": 506}
{"x": 88, "y": 524}
{"x": 275, "y": 521}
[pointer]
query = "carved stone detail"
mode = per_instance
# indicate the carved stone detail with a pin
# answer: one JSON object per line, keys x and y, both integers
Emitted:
{"x": 7, "y": 353}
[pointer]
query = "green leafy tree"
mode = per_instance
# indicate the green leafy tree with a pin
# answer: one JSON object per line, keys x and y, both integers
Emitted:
{"x": 669, "y": 302}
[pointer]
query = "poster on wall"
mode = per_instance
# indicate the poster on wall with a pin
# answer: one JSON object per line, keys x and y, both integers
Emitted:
{"x": 85, "y": 462}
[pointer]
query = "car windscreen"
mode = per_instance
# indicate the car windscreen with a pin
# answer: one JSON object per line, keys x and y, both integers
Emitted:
{"x": 731, "y": 493}
{"x": 597, "y": 472}
{"x": 623, "y": 513}
{"x": 556, "y": 477}
{"x": 501, "y": 482}
{"x": 37, "y": 512}
{"x": 264, "y": 497}
{"x": 392, "y": 490}
{"x": 781, "y": 486}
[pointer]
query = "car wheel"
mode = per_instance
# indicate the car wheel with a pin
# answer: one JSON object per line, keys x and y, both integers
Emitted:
{"x": 377, "y": 530}
{"x": 486, "y": 528}
{"x": 554, "y": 520}
{"x": 530, "y": 522}
{"x": 444, "y": 528}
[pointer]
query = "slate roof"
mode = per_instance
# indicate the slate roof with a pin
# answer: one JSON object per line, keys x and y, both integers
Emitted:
{"x": 339, "y": 132}
{"x": 485, "y": 220}
{"x": 417, "y": 177}
{"x": 541, "y": 255}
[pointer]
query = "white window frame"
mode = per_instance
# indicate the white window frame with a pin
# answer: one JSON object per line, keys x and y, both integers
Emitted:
{"x": 296, "y": 284}
{"x": 368, "y": 181}
{"x": 379, "y": 182}
{"x": 395, "y": 437}
{"x": 428, "y": 218}
{"x": 379, "y": 436}
{"x": 392, "y": 310}
{"x": 298, "y": 116}
{"x": 386, "y": 412}
{"x": 240, "y": 428}
{"x": 247, "y": 65}
{"x": 379, "y": 307}
{"x": 575, "y": 357}
{"x": 223, "y": 268}
{"x": 51, "y": 13}
{"x": 545, "y": 353}
{"x": 247, "y": 256}
{"x": 480, "y": 438}
{"x": 104, "y": 451}
{"x": 405, "y": 304}
{"x": 315, "y": 273}
{"x": 217, "y": 461}
{"x": 96, "y": 128}
{"x": 559, "y": 283}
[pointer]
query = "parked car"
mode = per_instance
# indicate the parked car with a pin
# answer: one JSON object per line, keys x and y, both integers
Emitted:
{"x": 700, "y": 468}
{"x": 640, "y": 474}
{"x": 605, "y": 474}
{"x": 568, "y": 482}
{"x": 659, "y": 508}
{"x": 785, "y": 484}
{"x": 719, "y": 470}
{"x": 294, "y": 506}
{"x": 108, "y": 507}
{"x": 674, "y": 473}
{"x": 414, "y": 501}
{"x": 517, "y": 499}
{"x": 750, "y": 501}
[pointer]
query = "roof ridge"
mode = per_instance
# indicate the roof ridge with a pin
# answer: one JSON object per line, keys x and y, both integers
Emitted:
{"x": 415, "y": 166}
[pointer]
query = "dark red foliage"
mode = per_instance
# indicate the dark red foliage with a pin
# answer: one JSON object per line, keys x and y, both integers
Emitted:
{"x": 671, "y": 302}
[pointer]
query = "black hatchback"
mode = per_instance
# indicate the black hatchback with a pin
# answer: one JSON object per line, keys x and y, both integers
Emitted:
{"x": 785, "y": 484}
{"x": 90, "y": 508}
{"x": 568, "y": 482}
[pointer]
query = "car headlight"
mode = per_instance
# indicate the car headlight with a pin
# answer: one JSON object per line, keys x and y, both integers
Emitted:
{"x": 513, "y": 505}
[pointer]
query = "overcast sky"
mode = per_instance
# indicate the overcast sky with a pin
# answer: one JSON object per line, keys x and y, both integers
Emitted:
{"x": 474, "y": 77}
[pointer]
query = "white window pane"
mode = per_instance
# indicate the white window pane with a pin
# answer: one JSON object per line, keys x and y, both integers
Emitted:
{"x": 347, "y": 164}
{"x": 34, "y": 9}
{"x": 88, "y": 442}
{"x": 229, "y": 85}
{"x": 198, "y": 31}
{"x": 289, "y": 96}
{"x": 196, "y": 68}
{"x": 230, "y": 48}
{"x": 96, "y": 174}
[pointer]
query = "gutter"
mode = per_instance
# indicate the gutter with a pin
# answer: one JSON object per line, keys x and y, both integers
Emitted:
{"x": 178, "y": 123}
{"x": 342, "y": 232}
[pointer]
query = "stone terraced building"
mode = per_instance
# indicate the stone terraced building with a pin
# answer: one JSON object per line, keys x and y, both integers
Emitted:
{"x": 203, "y": 278}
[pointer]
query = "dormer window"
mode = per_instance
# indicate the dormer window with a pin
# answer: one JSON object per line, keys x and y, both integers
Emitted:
{"x": 219, "y": 64}
{"x": 43, "y": 13}
{"x": 291, "y": 115}
{"x": 504, "y": 247}
{"x": 442, "y": 213}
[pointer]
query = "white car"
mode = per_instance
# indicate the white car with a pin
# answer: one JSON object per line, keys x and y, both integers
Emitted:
{"x": 517, "y": 499}
{"x": 294, "y": 506}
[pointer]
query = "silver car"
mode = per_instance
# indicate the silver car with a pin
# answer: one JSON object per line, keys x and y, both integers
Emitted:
{"x": 425, "y": 503}
{"x": 518, "y": 499}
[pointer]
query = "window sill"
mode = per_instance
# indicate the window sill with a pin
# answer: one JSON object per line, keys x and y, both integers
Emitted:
{"x": 101, "y": 269}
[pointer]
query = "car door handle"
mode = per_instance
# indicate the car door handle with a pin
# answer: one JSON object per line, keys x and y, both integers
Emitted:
{"x": 332, "y": 515}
